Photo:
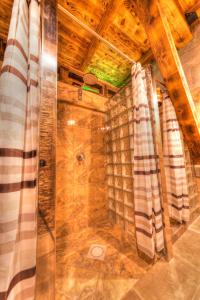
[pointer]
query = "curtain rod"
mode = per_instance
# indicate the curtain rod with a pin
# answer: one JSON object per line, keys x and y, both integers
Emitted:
{"x": 99, "y": 37}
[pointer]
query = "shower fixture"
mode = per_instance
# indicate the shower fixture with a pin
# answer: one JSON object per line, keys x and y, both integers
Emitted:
{"x": 90, "y": 79}
{"x": 80, "y": 156}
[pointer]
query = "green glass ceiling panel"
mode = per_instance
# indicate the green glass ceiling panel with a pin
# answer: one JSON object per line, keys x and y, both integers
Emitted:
{"x": 109, "y": 66}
{"x": 115, "y": 78}
{"x": 87, "y": 88}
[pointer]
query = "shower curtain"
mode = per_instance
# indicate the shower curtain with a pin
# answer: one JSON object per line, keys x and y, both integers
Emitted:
{"x": 19, "y": 105}
{"x": 147, "y": 198}
{"x": 174, "y": 160}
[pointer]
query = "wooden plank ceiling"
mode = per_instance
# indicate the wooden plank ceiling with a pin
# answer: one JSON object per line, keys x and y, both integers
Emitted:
{"x": 5, "y": 13}
{"x": 115, "y": 20}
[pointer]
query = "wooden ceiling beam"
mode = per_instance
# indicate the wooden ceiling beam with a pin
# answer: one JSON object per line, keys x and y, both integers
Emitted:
{"x": 105, "y": 22}
{"x": 179, "y": 27}
{"x": 147, "y": 57}
{"x": 164, "y": 50}
{"x": 194, "y": 7}
{"x": 189, "y": 6}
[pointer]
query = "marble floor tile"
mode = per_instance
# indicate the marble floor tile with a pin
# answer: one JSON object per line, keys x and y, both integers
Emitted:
{"x": 77, "y": 274}
{"x": 196, "y": 295}
{"x": 131, "y": 295}
{"x": 76, "y": 284}
{"x": 188, "y": 248}
{"x": 120, "y": 258}
{"x": 114, "y": 287}
{"x": 195, "y": 226}
{"x": 169, "y": 281}
{"x": 122, "y": 275}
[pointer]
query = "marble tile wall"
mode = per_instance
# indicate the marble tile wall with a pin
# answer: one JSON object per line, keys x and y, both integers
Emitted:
{"x": 81, "y": 185}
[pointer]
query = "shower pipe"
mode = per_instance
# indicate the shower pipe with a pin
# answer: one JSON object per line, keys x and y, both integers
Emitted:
{"x": 99, "y": 37}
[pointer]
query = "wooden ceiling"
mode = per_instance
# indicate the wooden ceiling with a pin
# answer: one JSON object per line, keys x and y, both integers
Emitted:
{"x": 5, "y": 13}
{"x": 115, "y": 20}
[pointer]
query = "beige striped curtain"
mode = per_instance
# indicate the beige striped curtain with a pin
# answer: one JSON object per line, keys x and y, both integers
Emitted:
{"x": 147, "y": 201}
{"x": 174, "y": 160}
{"x": 19, "y": 103}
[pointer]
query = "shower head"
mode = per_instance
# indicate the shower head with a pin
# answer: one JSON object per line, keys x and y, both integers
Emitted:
{"x": 90, "y": 79}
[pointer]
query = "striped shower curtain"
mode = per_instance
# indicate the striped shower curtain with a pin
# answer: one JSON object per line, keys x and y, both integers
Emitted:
{"x": 147, "y": 202}
{"x": 19, "y": 105}
{"x": 174, "y": 160}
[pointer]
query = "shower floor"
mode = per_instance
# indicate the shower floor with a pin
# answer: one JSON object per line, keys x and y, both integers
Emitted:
{"x": 122, "y": 275}
{"x": 80, "y": 277}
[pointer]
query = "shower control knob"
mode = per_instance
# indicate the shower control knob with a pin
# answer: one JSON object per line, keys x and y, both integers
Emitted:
{"x": 80, "y": 156}
{"x": 42, "y": 163}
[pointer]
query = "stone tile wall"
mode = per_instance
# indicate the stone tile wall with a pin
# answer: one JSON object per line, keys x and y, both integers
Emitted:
{"x": 81, "y": 185}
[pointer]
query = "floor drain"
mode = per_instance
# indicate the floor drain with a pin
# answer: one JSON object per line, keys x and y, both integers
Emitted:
{"x": 97, "y": 252}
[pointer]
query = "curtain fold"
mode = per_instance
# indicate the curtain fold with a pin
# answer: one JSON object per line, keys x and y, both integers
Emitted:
{"x": 147, "y": 201}
{"x": 174, "y": 160}
{"x": 19, "y": 114}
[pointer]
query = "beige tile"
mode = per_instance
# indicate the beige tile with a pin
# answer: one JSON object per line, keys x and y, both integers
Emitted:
{"x": 188, "y": 247}
{"x": 195, "y": 225}
{"x": 197, "y": 294}
{"x": 77, "y": 284}
{"x": 131, "y": 295}
{"x": 114, "y": 288}
{"x": 169, "y": 281}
